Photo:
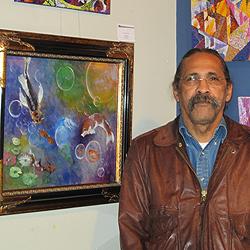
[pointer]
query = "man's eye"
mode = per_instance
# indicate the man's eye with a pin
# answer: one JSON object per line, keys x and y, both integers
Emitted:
{"x": 213, "y": 78}
{"x": 191, "y": 78}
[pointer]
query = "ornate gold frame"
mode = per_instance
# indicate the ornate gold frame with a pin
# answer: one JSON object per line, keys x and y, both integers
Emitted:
{"x": 50, "y": 46}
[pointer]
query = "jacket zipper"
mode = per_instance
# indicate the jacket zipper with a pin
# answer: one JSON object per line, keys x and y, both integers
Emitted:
{"x": 203, "y": 193}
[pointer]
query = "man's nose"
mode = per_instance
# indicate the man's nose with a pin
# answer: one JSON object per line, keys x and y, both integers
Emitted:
{"x": 203, "y": 86}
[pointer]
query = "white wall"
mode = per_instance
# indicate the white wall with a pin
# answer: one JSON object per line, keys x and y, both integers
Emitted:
{"x": 95, "y": 227}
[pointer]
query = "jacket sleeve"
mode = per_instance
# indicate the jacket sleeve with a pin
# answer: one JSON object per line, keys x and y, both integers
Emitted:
{"x": 134, "y": 201}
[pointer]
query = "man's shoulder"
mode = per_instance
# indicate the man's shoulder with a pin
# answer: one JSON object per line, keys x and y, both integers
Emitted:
{"x": 237, "y": 131}
{"x": 150, "y": 133}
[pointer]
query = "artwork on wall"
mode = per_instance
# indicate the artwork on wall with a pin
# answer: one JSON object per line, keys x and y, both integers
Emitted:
{"x": 60, "y": 122}
{"x": 223, "y": 25}
{"x": 244, "y": 110}
{"x": 97, "y": 6}
{"x": 65, "y": 119}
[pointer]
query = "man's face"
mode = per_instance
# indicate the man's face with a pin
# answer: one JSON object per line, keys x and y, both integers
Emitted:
{"x": 203, "y": 90}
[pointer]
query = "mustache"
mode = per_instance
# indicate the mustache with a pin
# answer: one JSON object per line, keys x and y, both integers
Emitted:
{"x": 202, "y": 98}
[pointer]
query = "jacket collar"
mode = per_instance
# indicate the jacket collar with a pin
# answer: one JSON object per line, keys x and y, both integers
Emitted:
{"x": 168, "y": 134}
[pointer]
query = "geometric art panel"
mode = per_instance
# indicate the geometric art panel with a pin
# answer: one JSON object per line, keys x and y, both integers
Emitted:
{"x": 223, "y": 25}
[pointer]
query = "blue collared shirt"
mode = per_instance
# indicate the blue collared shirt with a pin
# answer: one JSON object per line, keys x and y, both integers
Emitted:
{"x": 203, "y": 159}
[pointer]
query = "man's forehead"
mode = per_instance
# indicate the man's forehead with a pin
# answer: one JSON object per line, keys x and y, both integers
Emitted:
{"x": 202, "y": 61}
{"x": 201, "y": 56}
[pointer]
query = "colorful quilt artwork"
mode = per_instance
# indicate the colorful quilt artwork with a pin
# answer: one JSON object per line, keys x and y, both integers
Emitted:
{"x": 98, "y": 6}
{"x": 223, "y": 25}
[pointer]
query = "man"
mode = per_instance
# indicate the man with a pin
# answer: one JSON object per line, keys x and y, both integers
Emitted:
{"x": 186, "y": 185}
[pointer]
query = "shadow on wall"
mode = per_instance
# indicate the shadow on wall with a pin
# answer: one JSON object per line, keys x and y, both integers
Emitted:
{"x": 106, "y": 229}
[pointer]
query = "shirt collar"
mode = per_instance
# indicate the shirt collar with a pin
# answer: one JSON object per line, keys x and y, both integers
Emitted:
{"x": 221, "y": 129}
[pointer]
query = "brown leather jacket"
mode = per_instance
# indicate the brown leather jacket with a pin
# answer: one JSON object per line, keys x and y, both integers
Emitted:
{"x": 161, "y": 205}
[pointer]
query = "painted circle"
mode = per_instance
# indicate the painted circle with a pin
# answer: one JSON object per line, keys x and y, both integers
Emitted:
{"x": 15, "y": 108}
{"x": 62, "y": 136}
{"x": 93, "y": 152}
{"x": 80, "y": 151}
{"x": 100, "y": 172}
{"x": 65, "y": 78}
{"x": 102, "y": 81}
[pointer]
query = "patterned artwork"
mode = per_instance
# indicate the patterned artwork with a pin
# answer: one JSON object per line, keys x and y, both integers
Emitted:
{"x": 60, "y": 122}
{"x": 98, "y": 6}
{"x": 244, "y": 110}
{"x": 223, "y": 25}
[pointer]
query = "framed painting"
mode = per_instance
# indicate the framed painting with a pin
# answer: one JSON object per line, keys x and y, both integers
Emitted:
{"x": 96, "y": 6}
{"x": 65, "y": 120}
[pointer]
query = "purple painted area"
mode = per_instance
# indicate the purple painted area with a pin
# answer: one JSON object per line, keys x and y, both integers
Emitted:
{"x": 244, "y": 110}
{"x": 96, "y": 6}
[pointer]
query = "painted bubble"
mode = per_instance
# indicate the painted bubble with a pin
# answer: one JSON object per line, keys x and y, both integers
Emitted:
{"x": 15, "y": 108}
{"x": 64, "y": 131}
{"x": 65, "y": 78}
{"x": 93, "y": 152}
{"x": 102, "y": 81}
{"x": 100, "y": 172}
{"x": 62, "y": 136}
{"x": 80, "y": 151}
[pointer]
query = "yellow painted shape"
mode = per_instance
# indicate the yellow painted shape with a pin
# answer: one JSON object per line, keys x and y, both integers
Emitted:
{"x": 228, "y": 27}
{"x": 195, "y": 23}
{"x": 245, "y": 7}
{"x": 222, "y": 8}
{"x": 210, "y": 26}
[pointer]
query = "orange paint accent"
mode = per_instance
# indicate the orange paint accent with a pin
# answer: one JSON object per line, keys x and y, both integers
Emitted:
{"x": 222, "y": 8}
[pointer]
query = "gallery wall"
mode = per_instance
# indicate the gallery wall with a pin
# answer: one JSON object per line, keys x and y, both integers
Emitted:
{"x": 95, "y": 227}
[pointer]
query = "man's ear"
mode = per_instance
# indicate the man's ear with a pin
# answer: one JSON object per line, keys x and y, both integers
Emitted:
{"x": 176, "y": 94}
{"x": 229, "y": 92}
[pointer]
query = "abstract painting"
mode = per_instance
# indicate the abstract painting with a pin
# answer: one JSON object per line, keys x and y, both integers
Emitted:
{"x": 223, "y": 25}
{"x": 61, "y": 122}
{"x": 97, "y": 6}
{"x": 244, "y": 110}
